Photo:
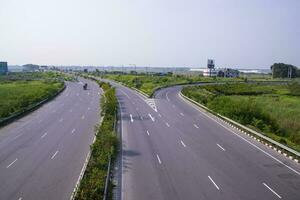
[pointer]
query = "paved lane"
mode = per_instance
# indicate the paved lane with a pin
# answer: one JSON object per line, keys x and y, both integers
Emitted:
{"x": 42, "y": 154}
{"x": 173, "y": 150}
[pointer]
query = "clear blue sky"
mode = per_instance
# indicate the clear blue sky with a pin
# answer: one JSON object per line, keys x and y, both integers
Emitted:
{"x": 236, "y": 33}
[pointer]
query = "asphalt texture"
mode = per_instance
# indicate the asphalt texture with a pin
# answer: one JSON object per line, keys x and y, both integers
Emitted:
{"x": 172, "y": 149}
{"x": 42, "y": 154}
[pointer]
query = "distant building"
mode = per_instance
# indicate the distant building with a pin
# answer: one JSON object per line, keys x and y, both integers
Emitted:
{"x": 3, "y": 68}
{"x": 31, "y": 68}
{"x": 229, "y": 73}
{"x": 210, "y": 72}
{"x": 44, "y": 68}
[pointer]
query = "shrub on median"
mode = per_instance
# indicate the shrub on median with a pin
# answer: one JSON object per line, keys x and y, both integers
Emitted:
{"x": 105, "y": 147}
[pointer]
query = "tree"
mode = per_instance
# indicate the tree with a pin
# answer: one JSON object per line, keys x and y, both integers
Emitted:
{"x": 281, "y": 70}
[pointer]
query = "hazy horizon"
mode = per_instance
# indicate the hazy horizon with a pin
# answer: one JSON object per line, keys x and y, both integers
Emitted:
{"x": 165, "y": 33}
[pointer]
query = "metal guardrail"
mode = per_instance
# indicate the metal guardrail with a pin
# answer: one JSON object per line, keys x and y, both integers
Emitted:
{"x": 268, "y": 141}
{"x": 108, "y": 173}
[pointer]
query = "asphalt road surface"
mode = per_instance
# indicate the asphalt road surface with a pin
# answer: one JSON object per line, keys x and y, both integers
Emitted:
{"x": 42, "y": 154}
{"x": 174, "y": 150}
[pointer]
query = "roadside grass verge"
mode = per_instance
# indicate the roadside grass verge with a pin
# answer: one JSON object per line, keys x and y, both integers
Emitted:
{"x": 25, "y": 76}
{"x": 16, "y": 96}
{"x": 105, "y": 147}
{"x": 150, "y": 83}
{"x": 273, "y": 110}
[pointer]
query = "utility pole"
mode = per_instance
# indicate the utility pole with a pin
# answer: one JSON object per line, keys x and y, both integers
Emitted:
{"x": 289, "y": 72}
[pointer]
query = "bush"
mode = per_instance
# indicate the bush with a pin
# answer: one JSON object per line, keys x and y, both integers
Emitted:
{"x": 267, "y": 108}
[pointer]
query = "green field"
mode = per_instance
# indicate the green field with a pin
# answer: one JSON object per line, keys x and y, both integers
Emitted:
{"x": 271, "y": 109}
{"x": 16, "y": 96}
{"x": 51, "y": 75}
{"x": 149, "y": 83}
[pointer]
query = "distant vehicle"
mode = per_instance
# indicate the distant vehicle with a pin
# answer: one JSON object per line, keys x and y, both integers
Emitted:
{"x": 85, "y": 86}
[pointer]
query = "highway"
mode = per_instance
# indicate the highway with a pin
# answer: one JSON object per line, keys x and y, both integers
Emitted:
{"x": 42, "y": 154}
{"x": 171, "y": 149}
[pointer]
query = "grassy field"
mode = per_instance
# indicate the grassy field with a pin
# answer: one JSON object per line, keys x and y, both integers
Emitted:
{"x": 271, "y": 109}
{"x": 17, "y": 95}
{"x": 148, "y": 84}
{"x": 51, "y": 75}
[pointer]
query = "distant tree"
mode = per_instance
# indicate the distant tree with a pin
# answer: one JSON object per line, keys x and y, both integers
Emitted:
{"x": 298, "y": 72}
{"x": 133, "y": 72}
{"x": 280, "y": 70}
{"x": 170, "y": 74}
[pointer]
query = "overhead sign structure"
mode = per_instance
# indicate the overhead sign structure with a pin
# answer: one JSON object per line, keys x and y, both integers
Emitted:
{"x": 210, "y": 64}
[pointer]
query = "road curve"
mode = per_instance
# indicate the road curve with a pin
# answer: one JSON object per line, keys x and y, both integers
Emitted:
{"x": 42, "y": 154}
{"x": 182, "y": 152}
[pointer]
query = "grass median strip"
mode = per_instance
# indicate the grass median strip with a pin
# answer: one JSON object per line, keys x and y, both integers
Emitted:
{"x": 105, "y": 147}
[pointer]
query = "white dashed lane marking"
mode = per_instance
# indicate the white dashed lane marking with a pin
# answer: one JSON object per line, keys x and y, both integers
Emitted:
{"x": 54, "y": 155}
{"x": 158, "y": 158}
{"x": 8, "y": 166}
{"x": 214, "y": 182}
{"x": 272, "y": 190}
{"x": 44, "y": 135}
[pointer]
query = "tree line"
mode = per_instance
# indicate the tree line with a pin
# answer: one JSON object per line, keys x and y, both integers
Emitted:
{"x": 281, "y": 70}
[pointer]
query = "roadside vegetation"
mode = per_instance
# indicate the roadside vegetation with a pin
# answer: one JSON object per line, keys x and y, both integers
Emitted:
{"x": 149, "y": 83}
{"x": 19, "y": 94}
{"x": 105, "y": 148}
{"x": 272, "y": 109}
{"x": 51, "y": 75}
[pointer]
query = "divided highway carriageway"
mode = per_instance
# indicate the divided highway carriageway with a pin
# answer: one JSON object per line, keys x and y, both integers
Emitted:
{"x": 172, "y": 149}
{"x": 42, "y": 154}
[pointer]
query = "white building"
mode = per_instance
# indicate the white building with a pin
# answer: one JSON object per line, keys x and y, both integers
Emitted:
{"x": 210, "y": 72}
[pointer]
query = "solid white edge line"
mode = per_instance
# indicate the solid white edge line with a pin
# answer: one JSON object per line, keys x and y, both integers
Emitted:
{"x": 182, "y": 143}
{"x": 272, "y": 190}
{"x": 122, "y": 183}
{"x": 158, "y": 159}
{"x": 213, "y": 182}
{"x": 195, "y": 107}
{"x": 11, "y": 163}
{"x": 54, "y": 155}
{"x": 220, "y": 147}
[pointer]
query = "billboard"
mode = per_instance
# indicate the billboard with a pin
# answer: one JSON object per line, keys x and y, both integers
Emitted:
{"x": 210, "y": 63}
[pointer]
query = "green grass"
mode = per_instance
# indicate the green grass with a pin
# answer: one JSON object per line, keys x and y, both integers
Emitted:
{"x": 16, "y": 96}
{"x": 271, "y": 109}
{"x": 149, "y": 84}
{"x": 51, "y": 75}
{"x": 93, "y": 182}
